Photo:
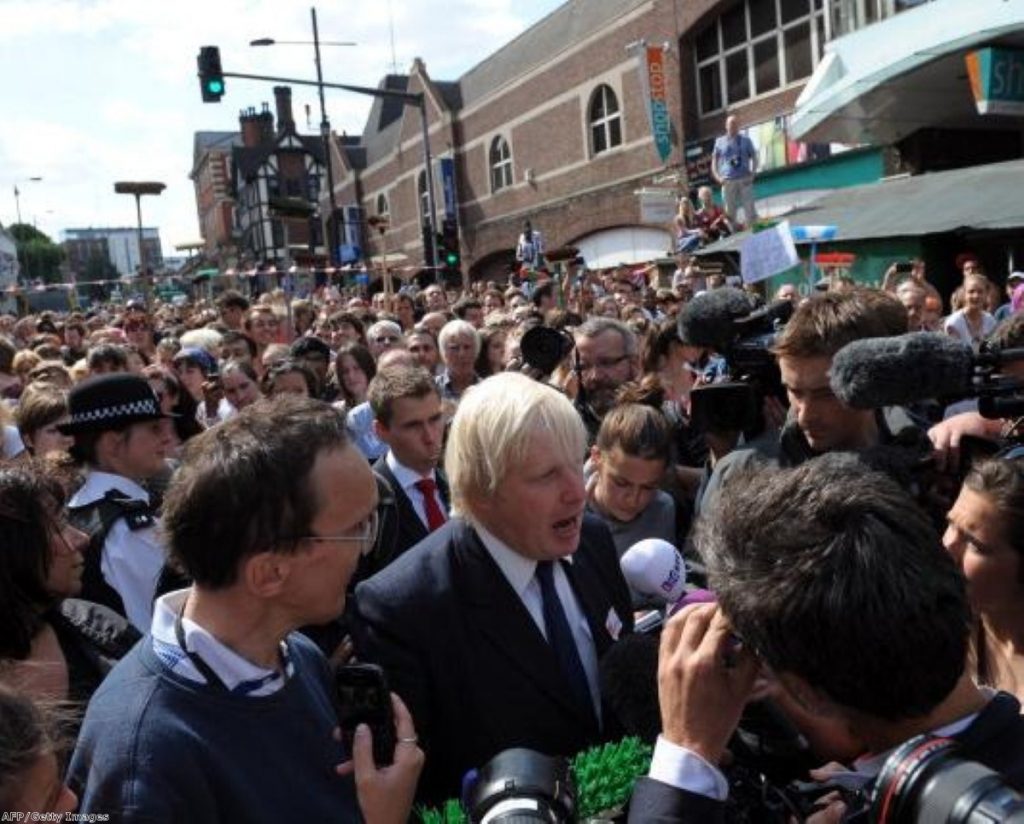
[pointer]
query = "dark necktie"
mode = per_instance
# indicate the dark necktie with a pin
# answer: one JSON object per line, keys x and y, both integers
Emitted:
{"x": 435, "y": 516}
{"x": 561, "y": 639}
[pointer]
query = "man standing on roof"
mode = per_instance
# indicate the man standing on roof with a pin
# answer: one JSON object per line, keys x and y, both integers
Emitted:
{"x": 733, "y": 164}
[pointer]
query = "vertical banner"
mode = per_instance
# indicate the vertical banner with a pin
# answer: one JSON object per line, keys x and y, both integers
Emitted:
{"x": 448, "y": 187}
{"x": 656, "y": 89}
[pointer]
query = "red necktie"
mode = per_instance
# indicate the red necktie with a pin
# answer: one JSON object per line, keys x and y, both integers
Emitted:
{"x": 435, "y": 515}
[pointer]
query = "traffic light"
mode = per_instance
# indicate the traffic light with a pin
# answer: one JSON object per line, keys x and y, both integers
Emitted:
{"x": 450, "y": 255}
{"x": 211, "y": 76}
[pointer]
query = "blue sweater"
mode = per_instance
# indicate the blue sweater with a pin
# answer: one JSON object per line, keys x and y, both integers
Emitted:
{"x": 157, "y": 747}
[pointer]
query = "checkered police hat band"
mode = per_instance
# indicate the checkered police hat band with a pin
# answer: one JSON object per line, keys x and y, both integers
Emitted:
{"x": 136, "y": 409}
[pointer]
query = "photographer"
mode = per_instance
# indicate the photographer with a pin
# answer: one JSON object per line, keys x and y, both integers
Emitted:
{"x": 819, "y": 422}
{"x": 838, "y": 585}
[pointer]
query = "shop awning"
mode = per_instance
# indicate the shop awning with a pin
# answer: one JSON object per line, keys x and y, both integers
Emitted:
{"x": 887, "y": 80}
{"x": 980, "y": 198}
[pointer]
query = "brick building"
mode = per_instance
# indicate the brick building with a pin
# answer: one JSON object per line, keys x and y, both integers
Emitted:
{"x": 554, "y": 126}
{"x": 215, "y": 202}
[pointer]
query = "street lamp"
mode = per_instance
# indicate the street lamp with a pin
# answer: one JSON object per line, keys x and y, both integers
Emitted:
{"x": 325, "y": 125}
{"x": 138, "y": 189}
{"x": 17, "y": 194}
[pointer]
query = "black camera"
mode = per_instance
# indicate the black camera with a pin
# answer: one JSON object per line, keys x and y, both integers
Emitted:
{"x": 924, "y": 780}
{"x": 518, "y": 786}
{"x": 543, "y": 348}
{"x": 729, "y": 322}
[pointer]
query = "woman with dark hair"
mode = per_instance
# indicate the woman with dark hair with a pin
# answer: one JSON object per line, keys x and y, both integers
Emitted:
{"x": 628, "y": 465}
{"x": 175, "y": 400}
{"x": 51, "y": 644}
{"x": 491, "y": 359}
{"x": 290, "y": 377}
{"x": 241, "y": 384}
{"x": 354, "y": 368}
{"x": 30, "y": 745}
{"x": 985, "y": 536}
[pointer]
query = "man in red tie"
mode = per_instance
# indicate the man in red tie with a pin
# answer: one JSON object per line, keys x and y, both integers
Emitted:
{"x": 408, "y": 418}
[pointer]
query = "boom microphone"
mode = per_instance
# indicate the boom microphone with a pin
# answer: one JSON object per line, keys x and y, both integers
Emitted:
{"x": 708, "y": 320}
{"x": 877, "y": 372}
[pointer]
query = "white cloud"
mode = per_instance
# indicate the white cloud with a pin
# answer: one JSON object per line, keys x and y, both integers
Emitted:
{"x": 104, "y": 90}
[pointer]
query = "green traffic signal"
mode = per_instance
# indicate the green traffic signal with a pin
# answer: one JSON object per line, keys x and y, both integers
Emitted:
{"x": 211, "y": 76}
{"x": 451, "y": 259}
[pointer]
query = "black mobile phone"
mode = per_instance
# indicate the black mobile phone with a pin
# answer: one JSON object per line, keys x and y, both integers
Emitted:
{"x": 363, "y": 697}
{"x": 904, "y": 266}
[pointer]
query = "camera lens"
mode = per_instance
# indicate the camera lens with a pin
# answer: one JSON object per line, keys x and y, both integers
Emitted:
{"x": 923, "y": 780}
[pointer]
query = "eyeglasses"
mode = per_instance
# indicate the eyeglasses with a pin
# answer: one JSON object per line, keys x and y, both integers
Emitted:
{"x": 385, "y": 339}
{"x": 602, "y": 364}
{"x": 365, "y": 533}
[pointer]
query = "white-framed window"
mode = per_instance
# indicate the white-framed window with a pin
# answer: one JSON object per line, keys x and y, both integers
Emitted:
{"x": 756, "y": 47}
{"x": 421, "y": 191}
{"x": 499, "y": 157}
{"x": 604, "y": 119}
{"x": 383, "y": 208}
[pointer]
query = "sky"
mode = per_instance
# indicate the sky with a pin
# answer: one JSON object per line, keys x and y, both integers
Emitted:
{"x": 96, "y": 91}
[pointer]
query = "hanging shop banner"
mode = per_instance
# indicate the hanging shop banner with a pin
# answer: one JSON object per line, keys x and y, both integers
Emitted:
{"x": 997, "y": 80}
{"x": 656, "y": 87}
{"x": 448, "y": 187}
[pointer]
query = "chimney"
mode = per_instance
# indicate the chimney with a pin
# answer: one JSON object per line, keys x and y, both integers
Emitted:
{"x": 250, "y": 127}
{"x": 283, "y": 99}
{"x": 266, "y": 124}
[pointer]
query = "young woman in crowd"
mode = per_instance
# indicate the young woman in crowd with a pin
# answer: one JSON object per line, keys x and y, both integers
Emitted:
{"x": 985, "y": 536}
{"x": 52, "y": 645}
{"x": 176, "y": 401}
{"x": 41, "y": 408}
{"x": 628, "y": 465}
{"x": 972, "y": 323}
{"x": 491, "y": 359}
{"x": 241, "y": 385}
{"x": 290, "y": 377}
{"x": 354, "y": 368}
{"x": 30, "y": 762}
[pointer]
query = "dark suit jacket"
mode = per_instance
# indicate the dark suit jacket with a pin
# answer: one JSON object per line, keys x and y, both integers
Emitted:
{"x": 462, "y": 651}
{"x": 401, "y": 529}
{"x": 995, "y": 738}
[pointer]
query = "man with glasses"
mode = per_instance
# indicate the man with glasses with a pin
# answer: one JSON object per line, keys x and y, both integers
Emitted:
{"x": 383, "y": 335}
{"x": 608, "y": 358}
{"x": 223, "y": 712}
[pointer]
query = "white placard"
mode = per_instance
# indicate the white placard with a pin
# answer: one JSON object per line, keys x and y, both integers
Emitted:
{"x": 767, "y": 253}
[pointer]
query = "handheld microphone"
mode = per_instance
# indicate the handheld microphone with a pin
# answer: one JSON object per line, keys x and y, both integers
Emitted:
{"x": 653, "y": 567}
{"x": 709, "y": 319}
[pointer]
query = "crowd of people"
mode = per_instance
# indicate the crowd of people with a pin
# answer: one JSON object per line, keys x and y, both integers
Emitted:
{"x": 207, "y": 509}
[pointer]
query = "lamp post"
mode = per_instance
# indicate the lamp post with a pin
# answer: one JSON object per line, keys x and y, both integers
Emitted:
{"x": 138, "y": 189}
{"x": 17, "y": 195}
{"x": 331, "y": 229}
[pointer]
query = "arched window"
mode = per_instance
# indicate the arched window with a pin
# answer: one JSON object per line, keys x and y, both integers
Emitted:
{"x": 605, "y": 120}
{"x": 383, "y": 209}
{"x": 421, "y": 189}
{"x": 500, "y": 158}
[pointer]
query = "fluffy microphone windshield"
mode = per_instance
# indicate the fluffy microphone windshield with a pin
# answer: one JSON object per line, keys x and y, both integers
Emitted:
{"x": 877, "y": 372}
{"x": 708, "y": 319}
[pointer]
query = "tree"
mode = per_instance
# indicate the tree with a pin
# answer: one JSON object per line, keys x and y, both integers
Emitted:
{"x": 40, "y": 257}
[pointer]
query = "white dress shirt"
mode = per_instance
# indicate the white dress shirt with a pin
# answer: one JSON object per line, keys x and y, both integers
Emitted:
{"x": 521, "y": 573}
{"x": 407, "y": 479}
{"x": 131, "y": 560}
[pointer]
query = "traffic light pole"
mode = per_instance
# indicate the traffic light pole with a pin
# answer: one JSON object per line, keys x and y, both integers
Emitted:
{"x": 325, "y": 136}
{"x": 417, "y": 99}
